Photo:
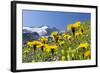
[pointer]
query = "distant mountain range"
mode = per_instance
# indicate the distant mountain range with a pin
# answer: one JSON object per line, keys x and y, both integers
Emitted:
{"x": 33, "y": 33}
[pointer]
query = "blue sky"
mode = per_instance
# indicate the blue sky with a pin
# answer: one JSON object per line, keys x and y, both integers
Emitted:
{"x": 52, "y": 19}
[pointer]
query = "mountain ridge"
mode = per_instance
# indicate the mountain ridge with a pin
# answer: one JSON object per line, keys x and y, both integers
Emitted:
{"x": 33, "y": 33}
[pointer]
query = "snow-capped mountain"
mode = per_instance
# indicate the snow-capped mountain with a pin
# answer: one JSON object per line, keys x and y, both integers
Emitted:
{"x": 40, "y": 30}
{"x": 34, "y": 33}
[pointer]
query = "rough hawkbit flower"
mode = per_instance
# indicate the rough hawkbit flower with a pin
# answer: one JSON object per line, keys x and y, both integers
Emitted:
{"x": 29, "y": 44}
{"x": 34, "y": 44}
{"x": 42, "y": 46}
{"x": 73, "y": 27}
{"x": 78, "y": 33}
{"x": 51, "y": 49}
{"x": 61, "y": 43}
{"x": 55, "y": 36}
{"x": 44, "y": 40}
{"x": 66, "y": 36}
{"x": 87, "y": 54}
{"x": 77, "y": 24}
{"x": 83, "y": 45}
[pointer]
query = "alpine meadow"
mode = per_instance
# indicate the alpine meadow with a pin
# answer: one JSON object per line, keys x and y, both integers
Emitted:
{"x": 56, "y": 41}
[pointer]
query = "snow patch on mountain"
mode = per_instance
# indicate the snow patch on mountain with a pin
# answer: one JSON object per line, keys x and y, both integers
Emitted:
{"x": 41, "y": 30}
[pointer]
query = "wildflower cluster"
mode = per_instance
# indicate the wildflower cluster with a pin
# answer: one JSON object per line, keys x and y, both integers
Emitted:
{"x": 73, "y": 44}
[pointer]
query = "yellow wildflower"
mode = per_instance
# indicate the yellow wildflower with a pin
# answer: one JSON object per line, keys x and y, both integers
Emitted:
{"x": 51, "y": 48}
{"x": 83, "y": 45}
{"x": 77, "y": 24}
{"x": 66, "y": 36}
{"x": 47, "y": 48}
{"x": 73, "y": 27}
{"x": 54, "y": 47}
{"x": 44, "y": 40}
{"x": 33, "y": 44}
{"x": 55, "y": 36}
{"x": 60, "y": 37}
{"x": 69, "y": 27}
{"x": 36, "y": 43}
{"x": 87, "y": 54}
{"x": 29, "y": 44}
{"x": 81, "y": 29}
{"x": 69, "y": 37}
{"x": 78, "y": 33}
{"x": 61, "y": 43}
{"x": 42, "y": 46}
